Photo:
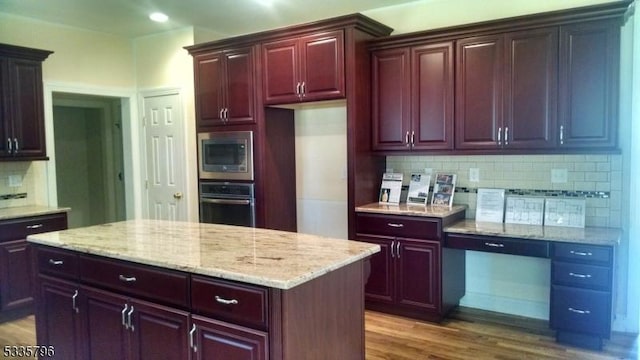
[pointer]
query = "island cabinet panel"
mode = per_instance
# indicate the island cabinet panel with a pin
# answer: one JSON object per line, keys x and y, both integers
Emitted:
{"x": 225, "y": 87}
{"x": 589, "y": 77}
{"x": 304, "y": 68}
{"x": 406, "y": 276}
{"x": 21, "y": 103}
{"x": 213, "y": 339}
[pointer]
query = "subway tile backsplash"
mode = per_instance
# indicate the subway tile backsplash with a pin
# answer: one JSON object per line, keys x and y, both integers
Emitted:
{"x": 11, "y": 196}
{"x": 598, "y": 178}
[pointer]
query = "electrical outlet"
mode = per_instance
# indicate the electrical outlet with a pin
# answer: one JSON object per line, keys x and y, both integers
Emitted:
{"x": 15, "y": 180}
{"x": 474, "y": 174}
{"x": 559, "y": 176}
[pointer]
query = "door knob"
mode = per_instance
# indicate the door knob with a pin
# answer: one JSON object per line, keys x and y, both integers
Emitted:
{"x": 177, "y": 195}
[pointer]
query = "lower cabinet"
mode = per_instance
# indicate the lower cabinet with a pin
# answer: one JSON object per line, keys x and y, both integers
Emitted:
{"x": 213, "y": 339}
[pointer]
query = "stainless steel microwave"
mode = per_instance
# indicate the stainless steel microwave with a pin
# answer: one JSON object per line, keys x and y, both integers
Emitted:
{"x": 226, "y": 155}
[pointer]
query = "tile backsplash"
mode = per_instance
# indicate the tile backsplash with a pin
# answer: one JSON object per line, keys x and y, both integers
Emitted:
{"x": 11, "y": 196}
{"x": 598, "y": 178}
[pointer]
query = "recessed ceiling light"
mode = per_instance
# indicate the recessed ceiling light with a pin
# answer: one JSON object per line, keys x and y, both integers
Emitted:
{"x": 158, "y": 17}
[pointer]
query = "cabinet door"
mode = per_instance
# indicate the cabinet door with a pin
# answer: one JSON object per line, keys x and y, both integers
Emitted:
{"x": 219, "y": 340}
{"x": 106, "y": 336}
{"x": 58, "y": 318}
{"x": 5, "y": 124}
{"x": 418, "y": 274}
{"x": 322, "y": 66}
{"x": 530, "y": 89}
{"x": 281, "y": 74}
{"x": 158, "y": 332}
{"x": 27, "y": 112}
{"x": 209, "y": 82}
{"x": 479, "y": 69}
{"x": 589, "y": 61}
{"x": 391, "y": 99}
{"x": 379, "y": 286}
{"x": 16, "y": 275}
{"x": 432, "y": 97}
{"x": 240, "y": 74}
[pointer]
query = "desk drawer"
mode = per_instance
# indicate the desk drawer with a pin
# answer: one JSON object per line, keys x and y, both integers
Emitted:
{"x": 581, "y": 310}
{"x": 160, "y": 285}
{"x": 20, "y": 228}
{"x": 582, "y": 275}
{"x": 57, "y": 262}
{"x": 237, "y": 303}
{"x": 583, "y": 253}
{"x": 499, "y": 245}
{"x": 398, "y": 226}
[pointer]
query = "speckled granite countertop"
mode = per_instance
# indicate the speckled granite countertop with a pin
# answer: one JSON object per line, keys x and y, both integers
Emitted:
{"x": 411, "y": 210}
{"x": 257, "y": 256}
{"x": 26, "y": 211}
{"x": 587, "y": 235}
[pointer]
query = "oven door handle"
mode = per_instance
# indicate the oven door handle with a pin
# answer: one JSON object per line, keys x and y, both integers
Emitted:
{"x": 225, "y": 201}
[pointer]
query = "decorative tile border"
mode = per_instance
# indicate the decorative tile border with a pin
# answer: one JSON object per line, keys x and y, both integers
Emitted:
{"x": 13, "y": 196}
{"x": 550, "y": 193}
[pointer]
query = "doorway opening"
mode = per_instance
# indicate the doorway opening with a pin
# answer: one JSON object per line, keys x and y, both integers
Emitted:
{"x": 89, "y": 158}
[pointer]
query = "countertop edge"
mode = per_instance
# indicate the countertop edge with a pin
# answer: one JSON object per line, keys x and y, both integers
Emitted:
{"x": 17, "y": 212}
{"x": 405, "y": 209}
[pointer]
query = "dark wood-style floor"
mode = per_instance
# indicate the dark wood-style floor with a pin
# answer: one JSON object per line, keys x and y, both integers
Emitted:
{"x": 467, "y": 334}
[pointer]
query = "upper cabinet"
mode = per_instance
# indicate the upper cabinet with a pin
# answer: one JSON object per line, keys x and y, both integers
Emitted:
{"x": 304, "y": 68}
{"x": 544, "y": 83}
{"x": 225, "y": 85}
{"x": 21, "y": 103}
{"x": 412, "y": 105}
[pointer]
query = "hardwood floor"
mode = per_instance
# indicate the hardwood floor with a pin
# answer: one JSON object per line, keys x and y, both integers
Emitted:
{"x": 467, "y": 334}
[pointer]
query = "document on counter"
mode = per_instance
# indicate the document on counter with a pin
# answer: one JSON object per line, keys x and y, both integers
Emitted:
{"x": 419, "y": 189}
{"x": 490, "y": 205}
{"x": 524, "y": 210}
{"x": 564, "y": 212}
{"x": 391, "y": 188}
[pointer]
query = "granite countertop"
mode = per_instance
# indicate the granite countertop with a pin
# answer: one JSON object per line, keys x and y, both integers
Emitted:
{"x": 411, "y": 209}
{"x": 587, "y": 235}
{"x": 270, "y": 258}
{"x": 30, "y": 210}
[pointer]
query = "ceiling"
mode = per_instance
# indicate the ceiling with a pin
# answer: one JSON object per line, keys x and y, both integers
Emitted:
{"x": 129, "y": 18}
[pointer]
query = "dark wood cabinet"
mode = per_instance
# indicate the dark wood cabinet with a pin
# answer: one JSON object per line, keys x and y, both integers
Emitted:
{"x": 589, "y": 78}
{"x": 406, "y": 276}
{"x": 21, "y": 103}
{"x": 506, "y": 90}
{"x": 225, "y": 87}
{"x": 304, "y": 68}
{"x": 412, "y": 100}
{"x": 215, "y": 339}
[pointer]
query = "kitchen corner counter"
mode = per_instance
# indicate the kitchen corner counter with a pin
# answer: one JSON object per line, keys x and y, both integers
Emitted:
{"x": 30, "y": 210}
{"x": 411, "y": 209}
{"x": 587, "y": 235}
{"x": 270, "y": 258}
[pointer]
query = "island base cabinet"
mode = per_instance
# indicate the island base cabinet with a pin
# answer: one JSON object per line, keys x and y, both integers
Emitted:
{"x": 218, "y": 340}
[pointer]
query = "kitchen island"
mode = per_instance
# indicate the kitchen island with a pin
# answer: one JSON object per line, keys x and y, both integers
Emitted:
{"x": 176, "y": 290}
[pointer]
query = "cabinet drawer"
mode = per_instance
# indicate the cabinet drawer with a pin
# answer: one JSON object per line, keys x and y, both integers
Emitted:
{"x": 581, "y": 310}
{"x": 398, "y": 226}
{"x": 159, "y": 285}
{"x": 583, "y": 253}
{"x": 57, "y": 262}
{"x": 229, "y": 301}
{"x": 500, "y": 245}
{"x": 16, "y": 229}
{"x": 582, "y": 275}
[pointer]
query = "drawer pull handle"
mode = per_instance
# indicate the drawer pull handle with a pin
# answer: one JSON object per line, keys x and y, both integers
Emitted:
{"x": 56, "y": 262}
{"x": 73, "y": 302}
{"x": 225, "y": 301}
{"x": 583, "y": 276}
{"x": 577, "y": 311}
{"x": 34, "y": 226}
{"x": 395, "y": 225}
{"x": 580, "y": 253}
{"x": 496, "y": 245}
{"x": 191, "y": 343}
{"x": 123, "y": 313}
{"x": 127, "y": 278}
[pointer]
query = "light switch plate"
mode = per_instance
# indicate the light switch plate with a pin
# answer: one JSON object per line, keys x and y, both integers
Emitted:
{"x": 559, "y": 176}
{"x": 474, "y": 174}
{"x": 15, "y": 180}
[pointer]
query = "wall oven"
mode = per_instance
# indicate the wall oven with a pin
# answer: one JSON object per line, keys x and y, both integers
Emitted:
{"x": 226, "y": 155}
{"x": 227, "y": 203}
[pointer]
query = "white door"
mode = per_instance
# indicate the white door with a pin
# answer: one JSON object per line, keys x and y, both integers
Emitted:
{"x": 165, "y": 155}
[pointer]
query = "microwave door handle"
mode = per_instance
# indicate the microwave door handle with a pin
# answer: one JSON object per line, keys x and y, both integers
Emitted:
{"x": 226, "y": 201}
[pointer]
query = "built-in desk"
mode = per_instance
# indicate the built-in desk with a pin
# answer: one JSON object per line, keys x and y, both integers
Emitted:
{"x": 582, "y": 263}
